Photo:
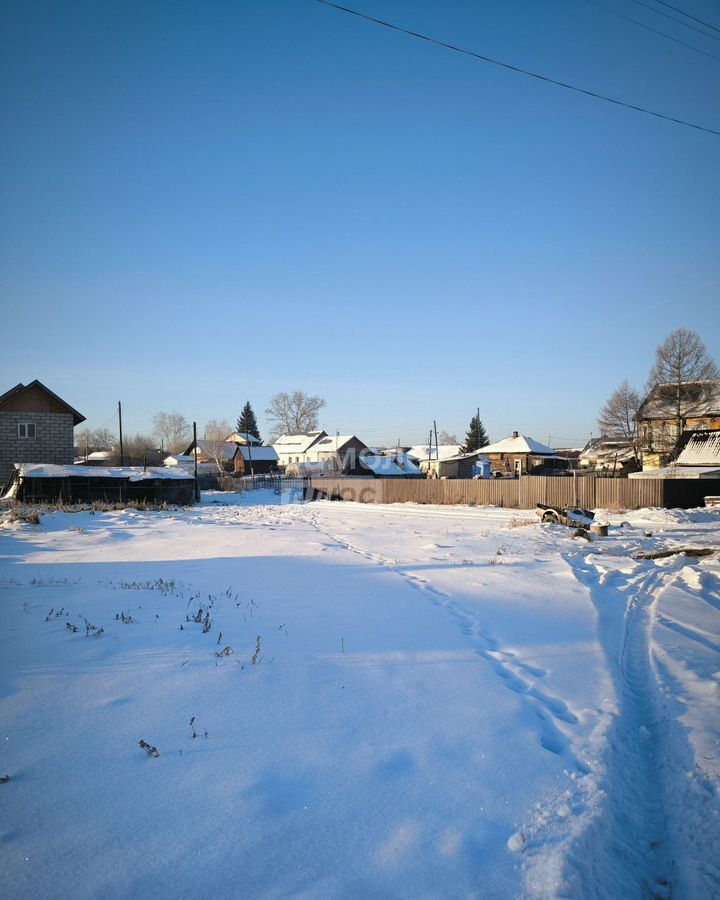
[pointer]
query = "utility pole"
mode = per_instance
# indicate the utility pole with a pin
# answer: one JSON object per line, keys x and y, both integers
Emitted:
{"x": 477, "y": 429}
{"x": 87, "y": 448}
{"x": 197, "y": 487}
{"x": 249, "y": 446}
{"x": 437, "y": 449}
{"x": 122, "y": 455}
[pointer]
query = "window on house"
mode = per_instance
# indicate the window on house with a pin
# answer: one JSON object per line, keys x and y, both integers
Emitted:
{"x": 26, "y": 429}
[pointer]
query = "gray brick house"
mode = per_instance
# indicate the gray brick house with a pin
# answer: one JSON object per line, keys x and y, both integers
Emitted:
{"x": 36, "y": 426}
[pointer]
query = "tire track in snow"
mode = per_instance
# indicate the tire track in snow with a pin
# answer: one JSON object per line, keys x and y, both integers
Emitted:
{"x": 626, "y": 850}
{"x": 512, "y": 672}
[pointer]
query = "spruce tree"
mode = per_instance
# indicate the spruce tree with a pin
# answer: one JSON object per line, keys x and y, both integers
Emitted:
{"x": 247, "y": 423}
{"x": 476, "y": 436}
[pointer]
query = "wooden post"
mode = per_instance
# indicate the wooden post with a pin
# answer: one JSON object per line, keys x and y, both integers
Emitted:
{"x": 197, "y": 486}
{"x": 122, "y": 457}
{"x": 249, "y": 446}
{"x": 575, "y": 491}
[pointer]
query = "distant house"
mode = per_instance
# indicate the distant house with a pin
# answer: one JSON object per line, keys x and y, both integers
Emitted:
{"x": 293, "y": 448}
{"x": 231, "y": 457}
{"x": 521, "y": 455}
{"x": 657, "y": 417}
{"x": 183, "y": 460}
{"x": 604, "y": 454}
{"x": 571, "y": 454}
{"x": 425, "y": 454}
{"x": 218, "y": 453}
{"x": 461, "y": 465}
{"x": 99, "y": 458}
{"x": 243, "y": 438}
{"x": 389, "y": 465}
{"x": 339, "y": 453}
{"x": 255, "y": 460}
{"x": 36, "y": 426}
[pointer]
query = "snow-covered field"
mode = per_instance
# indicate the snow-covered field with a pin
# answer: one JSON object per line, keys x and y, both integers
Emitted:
{"x": 414, "y": 702}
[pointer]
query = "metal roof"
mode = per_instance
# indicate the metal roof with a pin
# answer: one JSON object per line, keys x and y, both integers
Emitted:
{"x": 703, "y": 449}
{"x": 132, "y": 473}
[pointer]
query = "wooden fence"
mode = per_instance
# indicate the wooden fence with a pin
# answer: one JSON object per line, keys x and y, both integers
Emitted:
{"x": 516, "y": 493}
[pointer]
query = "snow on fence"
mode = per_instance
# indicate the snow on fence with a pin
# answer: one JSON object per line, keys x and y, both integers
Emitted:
{"x": 517, "y": 493}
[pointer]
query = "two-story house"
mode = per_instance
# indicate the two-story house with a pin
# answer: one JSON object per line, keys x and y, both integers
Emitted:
{"x": 36, "y": 426}
{"x": 669, "y": 410}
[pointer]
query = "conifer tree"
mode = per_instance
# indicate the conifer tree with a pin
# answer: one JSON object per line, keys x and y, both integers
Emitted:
{"x": 476, "y": 436}
{"x": 247, "y": 423}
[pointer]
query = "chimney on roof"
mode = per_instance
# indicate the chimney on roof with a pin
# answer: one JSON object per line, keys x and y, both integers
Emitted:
{"x": 515, "y": 434}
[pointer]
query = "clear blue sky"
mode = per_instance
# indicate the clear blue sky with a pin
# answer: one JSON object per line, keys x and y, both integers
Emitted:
{"x": 209, "y": 202}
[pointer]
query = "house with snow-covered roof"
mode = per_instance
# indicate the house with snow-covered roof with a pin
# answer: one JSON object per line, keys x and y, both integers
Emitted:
{"x": 293, "y": 448}
{"x": 389, "y": 465}
{"x": 244, "y": 437}
{"x": 461, "y": 465}
{"x": 668, "y": 410}
{"x": 426, "y": 454}
{"x": 698, "y": 457}
{"x": 339, "y": 453}
{"x": 607, "y": 454}
{"x": 231, "y": 457}
{"x": 521, "y": 455}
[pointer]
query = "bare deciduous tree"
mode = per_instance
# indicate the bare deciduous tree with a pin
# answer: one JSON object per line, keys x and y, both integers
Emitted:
{"x": 444, "y": 439}
{"x": 89, "y": 441}
{"x": 217, "y": 429}
{"x": 681, "y": 364}
{"x": 617, "y": 417}
{"x": 216, "y": 448}
{"x": 138, "y": 449}
{"x": 173, "y": 429}
{"x": 293, "y": 412}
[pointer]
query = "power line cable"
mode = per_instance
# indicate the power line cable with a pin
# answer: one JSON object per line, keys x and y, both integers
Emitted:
{"x": 518, "y": 69}
{"x": 688, "y": 15}
{"x": 659, "y": 12}
{"x": 615, "y": 12}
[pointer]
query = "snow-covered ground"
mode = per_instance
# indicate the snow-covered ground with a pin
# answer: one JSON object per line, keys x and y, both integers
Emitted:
{"x": 414, "y": 702}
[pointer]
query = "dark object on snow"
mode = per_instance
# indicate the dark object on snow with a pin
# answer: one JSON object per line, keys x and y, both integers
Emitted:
{"x": 4, "y": 779}
{"x": 662, "y": 554}
{"x": 572, "y": 516}
{"x": 150, "y": 750}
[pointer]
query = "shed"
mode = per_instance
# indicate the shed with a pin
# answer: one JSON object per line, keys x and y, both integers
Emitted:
{"x": 255, "y": 460}
{"x": 461, "y": 465}
{"x": 48, "y": 483}
{"x": 425, "y": 454}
